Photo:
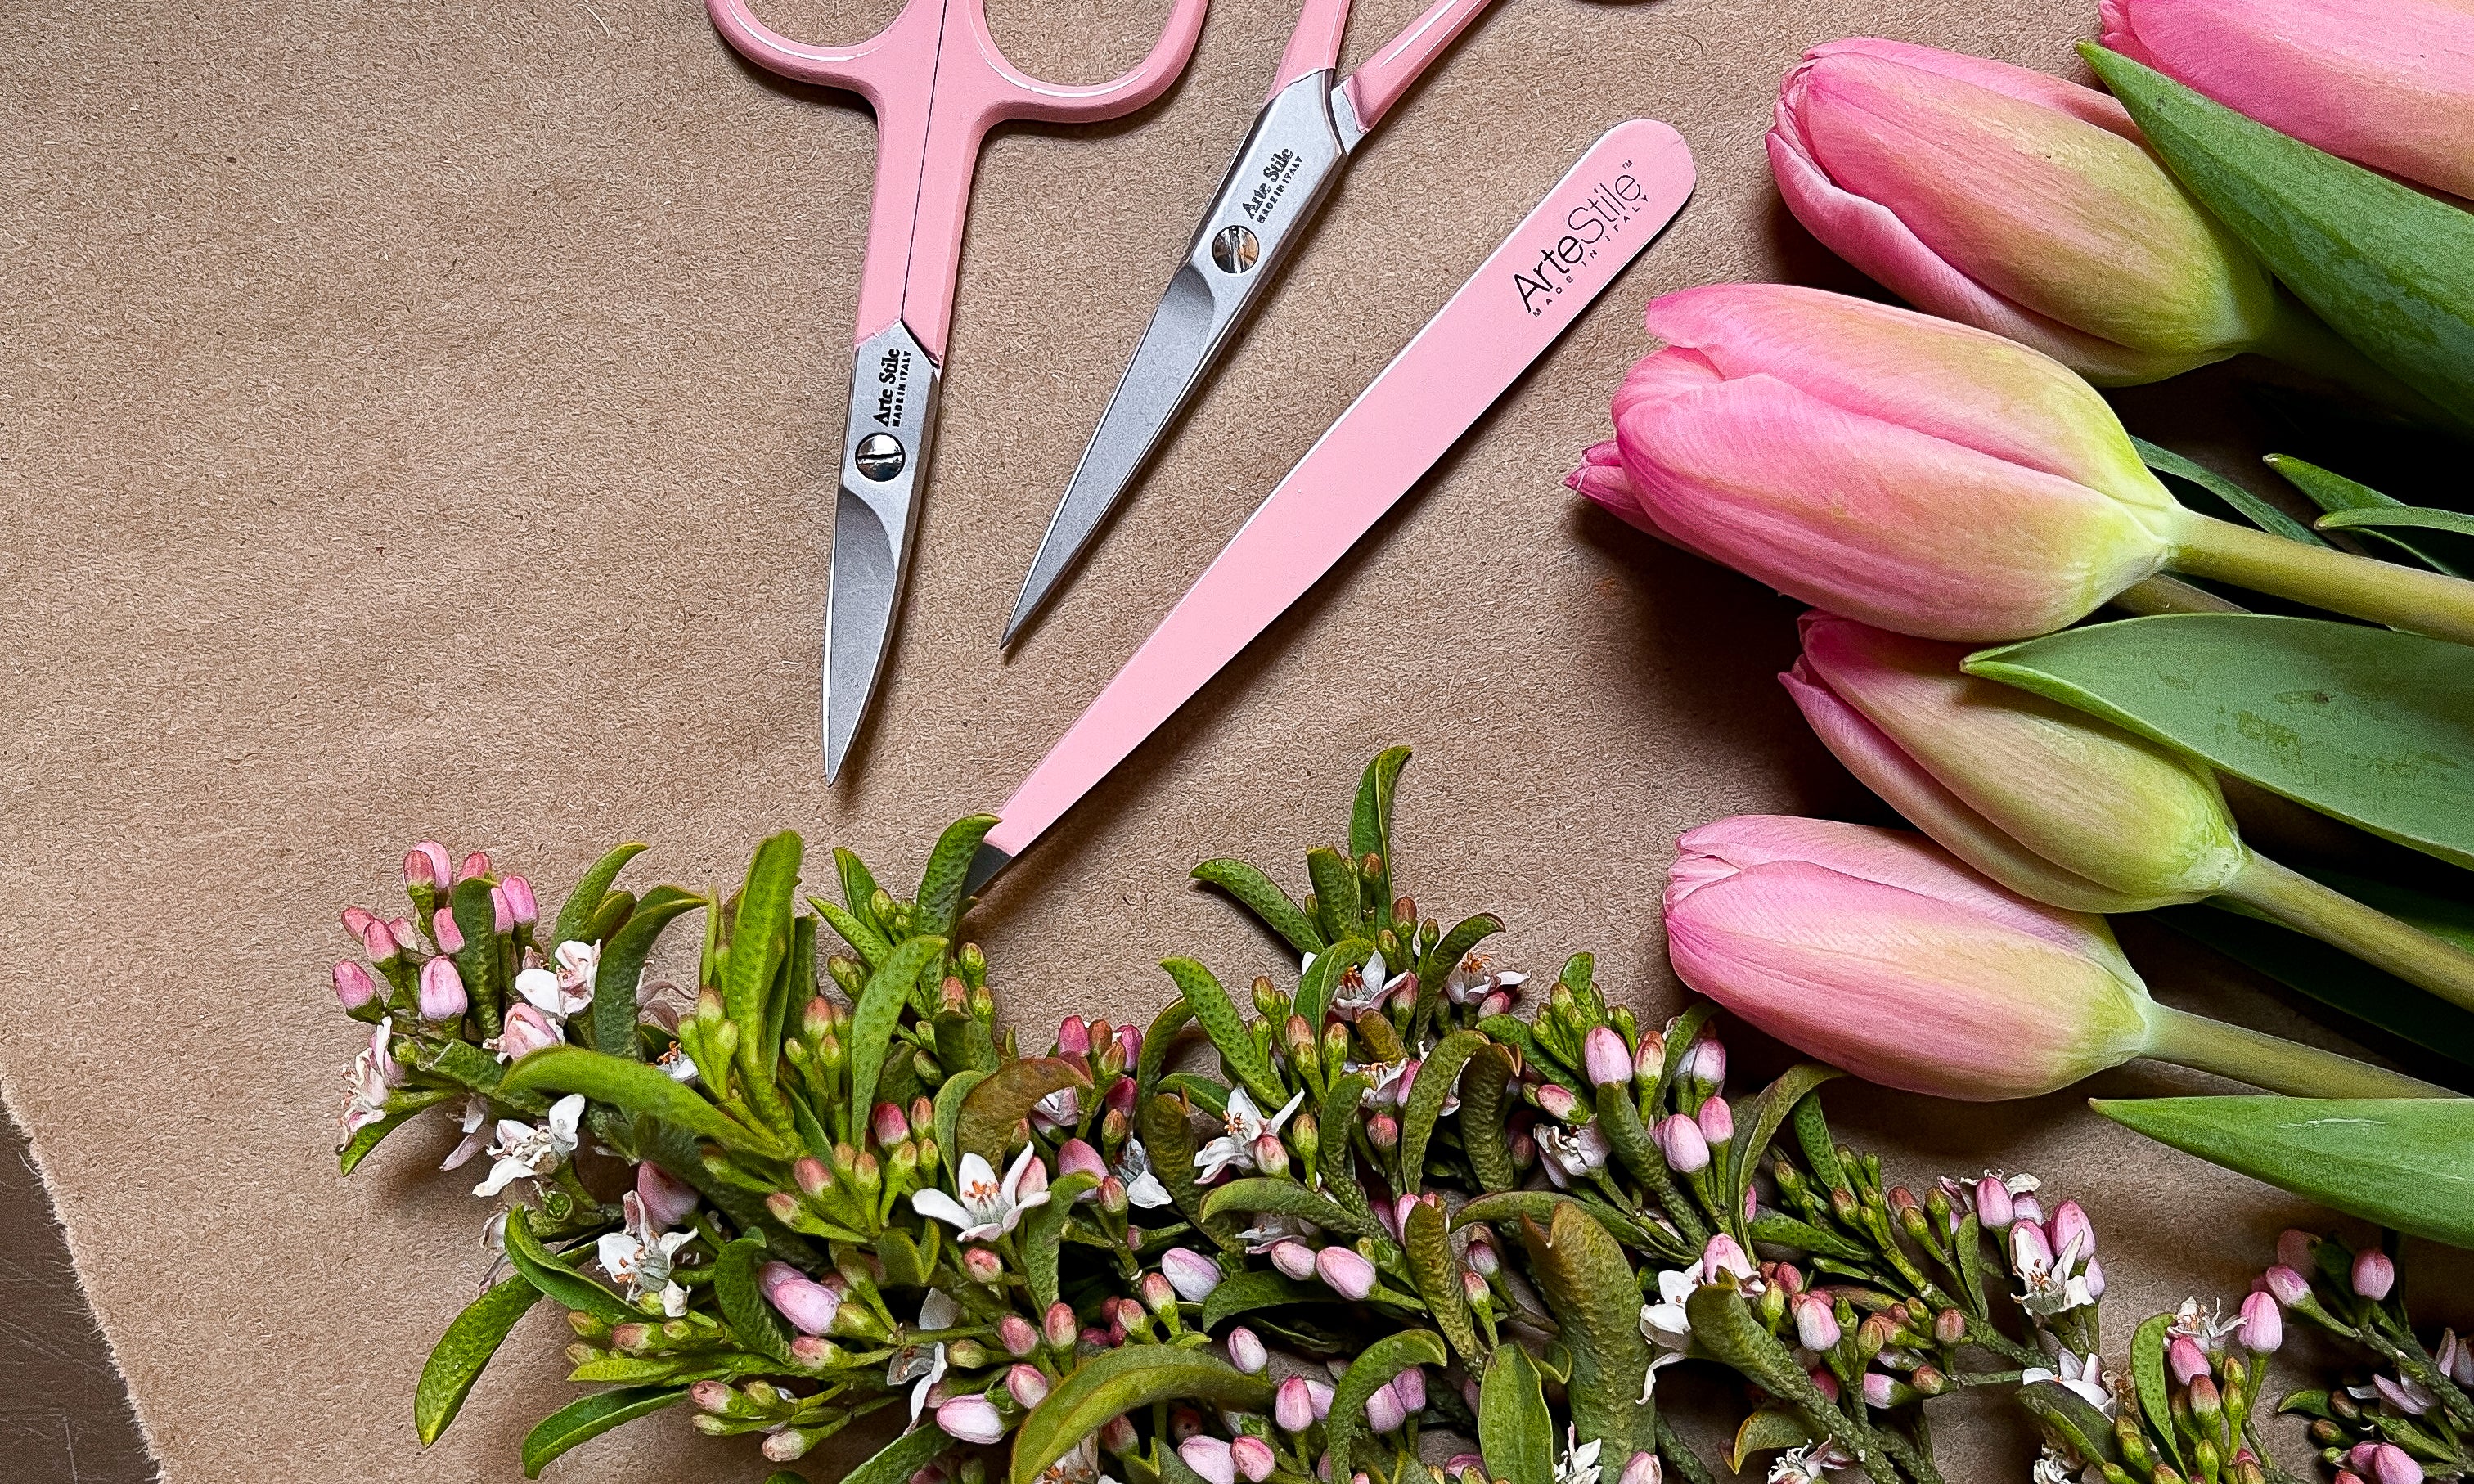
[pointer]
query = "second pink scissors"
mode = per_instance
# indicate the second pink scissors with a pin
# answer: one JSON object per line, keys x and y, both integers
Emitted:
{"x": 937, "y": 83}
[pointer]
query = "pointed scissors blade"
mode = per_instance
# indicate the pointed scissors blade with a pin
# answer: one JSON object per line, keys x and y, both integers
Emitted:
{"x": 1279, "y": 180}
{"x": 886, "y": 444}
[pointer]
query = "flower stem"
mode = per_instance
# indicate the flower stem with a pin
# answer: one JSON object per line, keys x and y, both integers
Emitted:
{"x": 2301, "y": 340}
{"x": 2367, "y": 933}
{"x": 2338, "y": 581}
{"x": 2272, "y": 1063}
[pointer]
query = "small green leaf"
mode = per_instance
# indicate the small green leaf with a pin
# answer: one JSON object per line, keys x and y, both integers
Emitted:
{"x": 2398, "y": 1161}
{"x": 1516, "y": 1433}
{"x": 622, "y": 965}
{"x": 2148, "y": 1378}
{"x": 477, "y": 961}
{"x": 1457, "y": 944}
{"x": 949, "y": 1111}
{"x": 759, "y": 937}
{"x": 898, "y": 1460}
{"x": 587, "y": 1418}
{"x": 575, "y": 914}
{"x": 1335, "y": 888}
{"x": 1200, "y": 1090}
{"x": 753, "y": 1323}
{"x": 1484, "y": 1111}
{"x": 2368, "y": 724}
{"x": 1820, "y": 1153}
{"x": 949, "y": 865}
{"x": 1589, "y": 1286}
{"x": 556, "y": 1281}
{"x": 2259, "y": 512}
{"x": 1370, "y": 820}
{"x": 1436, "y": 1075}
{"x": 865, "y": 941}
{"x": 1317, "y": 982}
{"x": 858, "y": 888}
{"x": 1766, "y": 1429}
{"x": 458, "y": 1360}
{"x": 2333, "y": 492}
{"x": 1005, "y": 1098}
{"x": 1260, "y": 895}
{"x": 879, "y": 1011}
{"x": 1787, "y": 1232}
{"x": 1169, "y": 1141}
{"x": 1426, "y": 1239}
{"x": 1770, "y": 1112}
{"x": 1725, "y": 1325}
{"x": 2071, "y": 1421}
{"x": 2388, "y": 267}
{"x": 1542, "y": 1205}
{"x": 1159, "y": 1043}
{"x": 403, "y": 1105}
{"x": 1219, "y": 1020}
{"x": 2413, "y": 517}
{"x": 1118, "y": 1381}
{"x": 1261, "y": 1289}
{"x": 1043, "y": 1230}
{"x": 1372, "y": 1369}
{"x": 635, "y": 1088}
{"x": 1969, "y": 1243}
{"x": 1288, "y": 1197}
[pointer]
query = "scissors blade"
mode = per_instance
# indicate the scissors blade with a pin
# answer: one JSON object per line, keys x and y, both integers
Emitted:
{"x": 886, "y": 443}
{"x": 1278, "y": 182}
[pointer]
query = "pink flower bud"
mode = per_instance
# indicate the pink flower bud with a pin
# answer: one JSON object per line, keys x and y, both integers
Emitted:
{"x": 2374, "y": 1274}
{"x": 1383, "y": 1412}
{"x": 1058, "y": 1327}
{"x": 1320, "y": 1395}
{"x": 1159, "y": 1295}
{"x": 1291, "y": 1407}
{"x": 1183, "y": 1422}
{"x": 357, "y": 920}
{"x": 1348, "y": 1275}
{"x": 2263, "y": 1325}
{"x": 2293, "y": 1248}
{"x": 1993, "y": 1204}
{"x": 1410, "y": 1386}
{"x": 1717, "y": 1121}
{"x": 667, "y": 1198}
{"x": 710, "y": 1396}
{"x": 1271, "y": 1156}
{"x": 975, "y": 1419}
{"x": 2071, "y": 1225}
{"x": 427, "y": 864}
{"x": 442, "y": 994}
{"x": 1725, "y": 1256}
{"x": 1680, "y": 1141}
{"x": 2094, "y": 1272}
{"x": 475, "y": 866}
{"x": 503, "y": 913}
{"x": 1073, "y": 1037}
{"x": 983, "y": 1265}
{"x": 1557, "y": 1101}
{"x": 377, "y": 941}
{"x": 1074, "y": 1156}
{"x": 2186, "y": 1360}
{"x": 1705, "y": 1062}
{"x": 1252, "y": 1458}
{"x": 1877, "y": 1389}
{"x": 1208, "y": 1456}
{"x": 1497, "y": 1002}
{"x": 888, "y": 1125}
{"x": 442, "y": 925}
{"x": 526, "y": 1031}
{"x": 1026, "y": 1386}
{"x": 2029, "y": 1250}
{"x": 1816, "y": 1321}
{"x": 1121, "y": 1096}
{"x": 808, "y": 1304}
{"x": 1649, "y": 1060}
{"x": 1293, "y": 1258}
{"x": 353, "y": 987}
{"x": 1604, "y": 1058}
{"x": 1826, "y": 1382}
{"x": 1190, "y": 1272}
{"x": 2027, "y": 1208}
{"x": 1644, "y": 1468}
{"x": 2393, "y": 1465}
{"x": 520, "y": 901}
{"x": 406, "y": 936}
{"x": 1015, "y": 1335}
{"x": 1246, "y": 1351}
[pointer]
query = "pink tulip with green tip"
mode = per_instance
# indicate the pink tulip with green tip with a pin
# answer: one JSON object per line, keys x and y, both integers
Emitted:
{"x": 1844, "y": 941}
{"x": 1930, "y": 477}
{"x": 2387, "y": 84}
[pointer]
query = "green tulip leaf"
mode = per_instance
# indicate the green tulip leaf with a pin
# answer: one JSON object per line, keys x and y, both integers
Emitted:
{"x": 879, "y": 1013}
{"x": 1007, "y": 1098}
{"x": 636, "y": 1087}
{"x": 1435, "y": 1075}
{"x": 1218, "y": 1015}
{"x": 1118, "y": 1381}
{"x": 1516, "y": 1433}
{"x": 1262, "y": 896}
{"x": 2398, "y": 1161}
{"x": 584, "y": 1420}
{"x": 622, "y": 965}
{"x": 2388, "y": 267}
{"x": 2373, "y": 726}
{"x": 576, "y": 913}
{"x": 2418, "y": 517}
{"x": 2249, "y": 506}
{"x": 1371, "y": 1370}
{"x": 2333, "y": 493}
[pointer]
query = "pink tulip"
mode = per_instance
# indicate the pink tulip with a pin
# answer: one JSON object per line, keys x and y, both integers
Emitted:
{"x": 2017, "y": 203}
{"x": 1844, "y": 940}
{"x": 353, "y": 987}
{"x": 1917, "y": 474}
{"x": 2388, "y": 84}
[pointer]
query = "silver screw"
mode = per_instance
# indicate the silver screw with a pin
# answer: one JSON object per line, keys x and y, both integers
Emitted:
{"x": 878, "y": 456}
{"x": 1235, "y": 249}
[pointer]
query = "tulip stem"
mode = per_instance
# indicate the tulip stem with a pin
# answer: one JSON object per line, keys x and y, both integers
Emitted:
{"x": 2303, "y": 341}
{"x": 2359, "y": 587}
{"x": 2272, "y": 1063}
{"x": 2367, "y": 933}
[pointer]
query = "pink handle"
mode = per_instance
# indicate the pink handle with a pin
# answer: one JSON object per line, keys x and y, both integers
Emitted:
{"x": 1593, "y": 222}
{"x": 1315, "y": 45}
{"x": 938, "y": 84}
{"x": 1375, "y": 88}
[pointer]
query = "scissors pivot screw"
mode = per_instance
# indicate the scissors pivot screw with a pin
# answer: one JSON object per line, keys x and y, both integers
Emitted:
{"x": 1235, "y": 249}
{"x": 878, "y": 456}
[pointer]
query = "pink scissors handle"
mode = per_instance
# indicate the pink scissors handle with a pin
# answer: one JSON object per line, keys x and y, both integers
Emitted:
{"x": 938, "y": 84}
{"x": 1390, "y": 73}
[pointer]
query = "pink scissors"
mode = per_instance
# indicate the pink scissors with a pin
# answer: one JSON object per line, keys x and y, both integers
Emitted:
{"x": 937, "y": 83}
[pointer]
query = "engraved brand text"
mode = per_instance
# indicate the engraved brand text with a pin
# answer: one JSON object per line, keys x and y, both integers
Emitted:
{"x": 1603, "y": 214}
{"x": 1277, "y": 171}
{"x": 893, "y": 385}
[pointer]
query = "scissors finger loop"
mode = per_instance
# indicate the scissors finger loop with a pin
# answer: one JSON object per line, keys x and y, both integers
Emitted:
{"x": 1028, "y": 97}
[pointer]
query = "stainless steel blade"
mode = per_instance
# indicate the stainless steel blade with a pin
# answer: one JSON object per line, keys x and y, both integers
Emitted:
{"x": 886, "y": 443}
{"x": 1279, "y": 180}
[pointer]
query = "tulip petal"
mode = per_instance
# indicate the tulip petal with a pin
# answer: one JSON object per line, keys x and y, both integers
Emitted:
{"x": 1885, "y": 768}
{"x": 1849, "y": 970}
{"x": 1870, "y": 518}
{"x": 2103, "y": 803}
{"x": 1954, "y": 382}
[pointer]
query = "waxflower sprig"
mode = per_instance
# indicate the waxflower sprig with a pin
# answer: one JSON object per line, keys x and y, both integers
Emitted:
{"x": 2408, "y": 1415}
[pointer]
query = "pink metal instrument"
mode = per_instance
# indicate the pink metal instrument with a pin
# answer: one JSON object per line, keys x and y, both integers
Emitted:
{"x": 937, "y": 83}
{"x": 1562, "y": 256}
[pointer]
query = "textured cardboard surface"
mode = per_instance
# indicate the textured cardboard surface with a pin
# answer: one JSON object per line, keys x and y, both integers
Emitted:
{"x": 420, "y": 419}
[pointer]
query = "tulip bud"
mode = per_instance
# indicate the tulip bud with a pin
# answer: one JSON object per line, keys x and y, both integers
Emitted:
{"x": 1816, "y": 1323}
{"x": 1189, "y": 1273}
{"x": 1208, "y": 1456}
{"x": 2263, "y": 1325}
{"x": 1291, "y": 1408}
{"x": 1604, "y": 1058}
{"x": 442, "y": 995}
{"x": 1348, "y": 1275}
{"x": 353, "y": 987}
{"x": 1717, "y": 1122}
{"x": 1252, "y": 1458}
{"x": 1686, "y": 1148}
{"x": 2374, "y": 1274}
{"x": 975, "y": 1419}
